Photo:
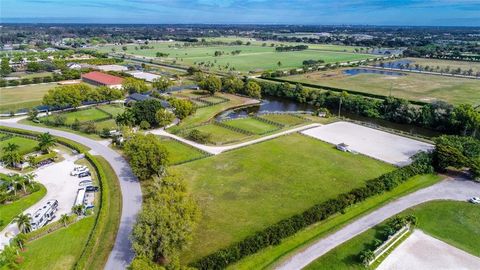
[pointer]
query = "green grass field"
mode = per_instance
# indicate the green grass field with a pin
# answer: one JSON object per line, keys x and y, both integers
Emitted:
{"x": 253, "y": 57}
{"x": 25, "y": 145}
{"x": 109, "y": 124}
{"x": 179, "y": 152}
{"x": 23, "y": 96}
{"x": 269, "y": 257}
{"x": 9, "y": 211}
{"x": 427, "y": 88}
{"x": 85, "y": 115}
{"x": 251, "y": 125}
{"x": 284, "y": 119}
{"x": 60, "y": 249}
{"x": 220, "y": 135}
{"x": 113, "y": 109}
{"x": 442, "y": 64}
{"x": 245, "y": 190}
{"x": 453, "y": 222}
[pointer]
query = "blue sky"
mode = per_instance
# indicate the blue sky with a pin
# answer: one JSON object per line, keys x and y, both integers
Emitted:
{"x": 378, "y": 12}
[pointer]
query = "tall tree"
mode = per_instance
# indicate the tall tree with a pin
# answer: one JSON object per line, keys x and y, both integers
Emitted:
{"x": 162, "y": 83}
{"x": 164, "y": 117}
{"x": 132, "y": 85}
{"x": 211, "y": 84}
{"x": 147, "y": 155}
{"x": 23, "y": 223}
{"x": 45, "y": 142}
{"x": 252, "y": 89}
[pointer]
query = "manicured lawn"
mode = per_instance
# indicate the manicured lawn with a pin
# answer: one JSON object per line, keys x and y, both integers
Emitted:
{"x": 212, "y": 99}
{"x": 23, "y": 96}
{"x": 267, "y": 258}
{"x": 456, "y": 223}
{"x": 220, "y": 135}
{"x": 60, "y": 249}
{"x": 251, "y": 125}
{"x": 428, "y": 88}
{"x": 284, "y": 119}
{"x": 89, "y": 114}
{"x": 245, "y": 190}
{"x": 9, "y": 211}
{"x": 25, "y": 145}
{"x": 110, "y": 124}
{"x": 179, "y": 152}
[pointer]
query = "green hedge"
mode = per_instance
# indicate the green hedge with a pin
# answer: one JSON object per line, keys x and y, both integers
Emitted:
{"x": 274, "y": 234}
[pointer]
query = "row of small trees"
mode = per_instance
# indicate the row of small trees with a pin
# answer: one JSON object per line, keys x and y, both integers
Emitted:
{"x": 230, "y": 84}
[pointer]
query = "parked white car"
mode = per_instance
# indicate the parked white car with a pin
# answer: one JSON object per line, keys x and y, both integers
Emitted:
{"x": 79, "y": 170}
{"x": 475, "y": 200}
{"x": 85, "y": 183}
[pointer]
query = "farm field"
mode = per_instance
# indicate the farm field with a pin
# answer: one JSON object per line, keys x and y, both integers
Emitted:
{"x": 25, "y": 145}
{"x": 179, "y": 152}
{"x": 245, "y": 190}
{"x": 251, "y": 58}
{"x": 450, "y": 221}
{"x": 251, "y": 125}
{"x": 427, "y": 88}
{"x": 22, "y": 96}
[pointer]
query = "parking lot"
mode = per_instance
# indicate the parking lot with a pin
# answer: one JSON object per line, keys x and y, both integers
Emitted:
{"x": 60, "y": 186}
{"x": 421, "y": 251}
{"x": 381, "y": 145}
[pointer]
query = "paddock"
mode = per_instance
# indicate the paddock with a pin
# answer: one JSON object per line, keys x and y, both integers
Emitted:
{"x": 421, "y": 251}
{"x": 384, "y": 146}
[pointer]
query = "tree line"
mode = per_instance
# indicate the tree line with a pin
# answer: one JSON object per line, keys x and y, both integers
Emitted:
{"x": 461, "y": 119}
{"x": 291, "y": 48}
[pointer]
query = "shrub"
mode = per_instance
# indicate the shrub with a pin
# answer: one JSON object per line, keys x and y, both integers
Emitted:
{"x": 144, "y": 125}
{"x": 198, "y": 136}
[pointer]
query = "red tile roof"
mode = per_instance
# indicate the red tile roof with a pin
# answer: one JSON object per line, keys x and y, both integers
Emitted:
{"x": 102, "y": 78}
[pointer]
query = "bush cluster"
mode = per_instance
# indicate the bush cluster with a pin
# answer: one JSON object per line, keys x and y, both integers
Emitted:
{"x": 274, "y": 234}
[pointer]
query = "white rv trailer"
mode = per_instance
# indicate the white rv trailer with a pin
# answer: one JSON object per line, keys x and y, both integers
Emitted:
{"x": 44, "y": 214}
{"x": 80, "y": 196}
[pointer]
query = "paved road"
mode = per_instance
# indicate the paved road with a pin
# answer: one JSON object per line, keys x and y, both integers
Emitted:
{"x": 122, "y": 252}
{"x": 215, "y": 150}
{"x": 451, "y": 189}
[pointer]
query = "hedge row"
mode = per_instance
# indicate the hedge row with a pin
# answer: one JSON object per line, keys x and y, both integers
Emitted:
{"x": 274, "y": 234}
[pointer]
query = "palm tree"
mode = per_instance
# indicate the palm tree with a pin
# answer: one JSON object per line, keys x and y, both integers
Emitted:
{"x": 23, "y": 223}
{"x": 20, "y": 240}
{"x": 46, "y": 141}
{"x": 78, "y": 209}
{"x": 64, "y": 219}
{"x": 11, "y": 147}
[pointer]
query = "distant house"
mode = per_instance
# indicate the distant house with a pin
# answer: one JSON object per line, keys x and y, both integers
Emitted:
{"x": 102, "y": 79}
{"x": 343, "y": 147}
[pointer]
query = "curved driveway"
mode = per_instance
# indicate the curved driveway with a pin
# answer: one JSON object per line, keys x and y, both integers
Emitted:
{"x": 458, "y": 189}
{"x": 122, "y": 253}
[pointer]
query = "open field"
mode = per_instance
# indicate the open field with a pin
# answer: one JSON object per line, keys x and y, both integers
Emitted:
{"x": 455, "y": 223}
{"x": 25, "y": 145}
{"x": 378, "y": 144}
{"x": 252, "y": 57}
{"x": 113, "y": 109}
{"x": 84, "y": 115}
{"x": 422, "y": 87}
{"x": 267, "y": 258}
{"x": 9, "y": 211}
{"x": 23, "y": 96}
{"x": 284, "y": 119}
{"x": 245, "y": 190}
{"x": 179, "y": 152}
{"x": 421, "y": 251}
{"x": 64, "y": 247}
{"x": 251, "y": 125}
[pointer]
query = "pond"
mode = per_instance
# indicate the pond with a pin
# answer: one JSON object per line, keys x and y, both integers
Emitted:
{"x": 277, "y": 104}
{"x": 356, "y": 71}
{"x": 269, "y": 104}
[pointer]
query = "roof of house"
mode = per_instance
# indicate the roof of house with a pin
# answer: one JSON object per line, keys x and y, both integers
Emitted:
{"x": 103, "y": 78}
